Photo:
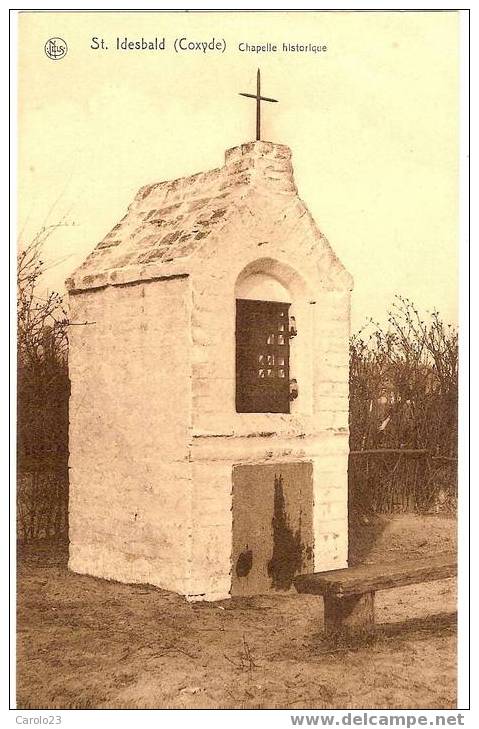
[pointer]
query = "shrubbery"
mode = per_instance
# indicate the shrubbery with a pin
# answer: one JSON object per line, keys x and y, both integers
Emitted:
{"x": 42, "y": 402}
{"x": 403, "y": 402}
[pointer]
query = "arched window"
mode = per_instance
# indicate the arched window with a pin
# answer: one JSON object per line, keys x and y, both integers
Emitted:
{"x": 262, "y": 345}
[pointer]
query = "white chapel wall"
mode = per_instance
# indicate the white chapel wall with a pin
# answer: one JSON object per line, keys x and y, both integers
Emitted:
{"x": 315, "y": 431}
{"x": 130, "y": 479}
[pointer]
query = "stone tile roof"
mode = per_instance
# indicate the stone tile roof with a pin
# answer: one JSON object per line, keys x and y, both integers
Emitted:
{"x": 167, "y": 221}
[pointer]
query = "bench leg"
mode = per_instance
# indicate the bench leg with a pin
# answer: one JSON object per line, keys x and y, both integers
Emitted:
{"x": 351, "y": 616}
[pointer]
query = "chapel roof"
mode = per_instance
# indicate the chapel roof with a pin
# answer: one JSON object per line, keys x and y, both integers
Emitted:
{"x": 168, "y": 221}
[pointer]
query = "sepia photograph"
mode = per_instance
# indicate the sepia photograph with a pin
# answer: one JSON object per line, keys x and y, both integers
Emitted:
{"x": 237, "y": 323}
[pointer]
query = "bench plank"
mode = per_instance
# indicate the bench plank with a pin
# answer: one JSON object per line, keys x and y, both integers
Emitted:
{"x": 380, "y": 576}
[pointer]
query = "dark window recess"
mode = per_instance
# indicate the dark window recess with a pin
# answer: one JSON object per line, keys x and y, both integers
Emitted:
{"x": 262, "y": 357}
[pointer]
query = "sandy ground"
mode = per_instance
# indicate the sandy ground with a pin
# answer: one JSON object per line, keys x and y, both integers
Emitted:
{"x": 90, "y": 643}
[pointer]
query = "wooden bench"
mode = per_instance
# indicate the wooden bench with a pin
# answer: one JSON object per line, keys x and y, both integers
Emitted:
{"x": 349, "y": 593}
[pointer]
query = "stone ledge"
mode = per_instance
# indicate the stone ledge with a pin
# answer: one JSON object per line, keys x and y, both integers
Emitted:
{"x": 127, "y": 276}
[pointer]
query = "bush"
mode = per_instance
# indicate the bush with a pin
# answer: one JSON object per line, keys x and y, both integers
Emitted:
{"x": 42, "y": 402}
{"x": 403, "y": 403}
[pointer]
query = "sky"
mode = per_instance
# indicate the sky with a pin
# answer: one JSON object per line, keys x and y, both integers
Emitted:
{"x": 372, "y": 123}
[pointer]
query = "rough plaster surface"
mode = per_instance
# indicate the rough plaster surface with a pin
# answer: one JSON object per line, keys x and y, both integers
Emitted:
{"x": 154, "y": 435}
{"x": 130, "y": 476}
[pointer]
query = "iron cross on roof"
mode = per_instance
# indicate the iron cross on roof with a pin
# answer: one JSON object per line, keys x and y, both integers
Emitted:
{"x": 259, "y": 99}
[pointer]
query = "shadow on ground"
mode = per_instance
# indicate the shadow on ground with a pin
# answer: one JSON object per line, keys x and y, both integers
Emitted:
{"x": 413, "y": 629}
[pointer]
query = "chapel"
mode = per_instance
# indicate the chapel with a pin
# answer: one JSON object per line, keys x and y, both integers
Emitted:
{"x": 209, "y": 387}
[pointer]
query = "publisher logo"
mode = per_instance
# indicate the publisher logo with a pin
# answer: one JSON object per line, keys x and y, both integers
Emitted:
{"x": 56, "y": 48}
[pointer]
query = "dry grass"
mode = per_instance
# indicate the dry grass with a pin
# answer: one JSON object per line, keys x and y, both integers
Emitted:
{"x": 90, "y": 643}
